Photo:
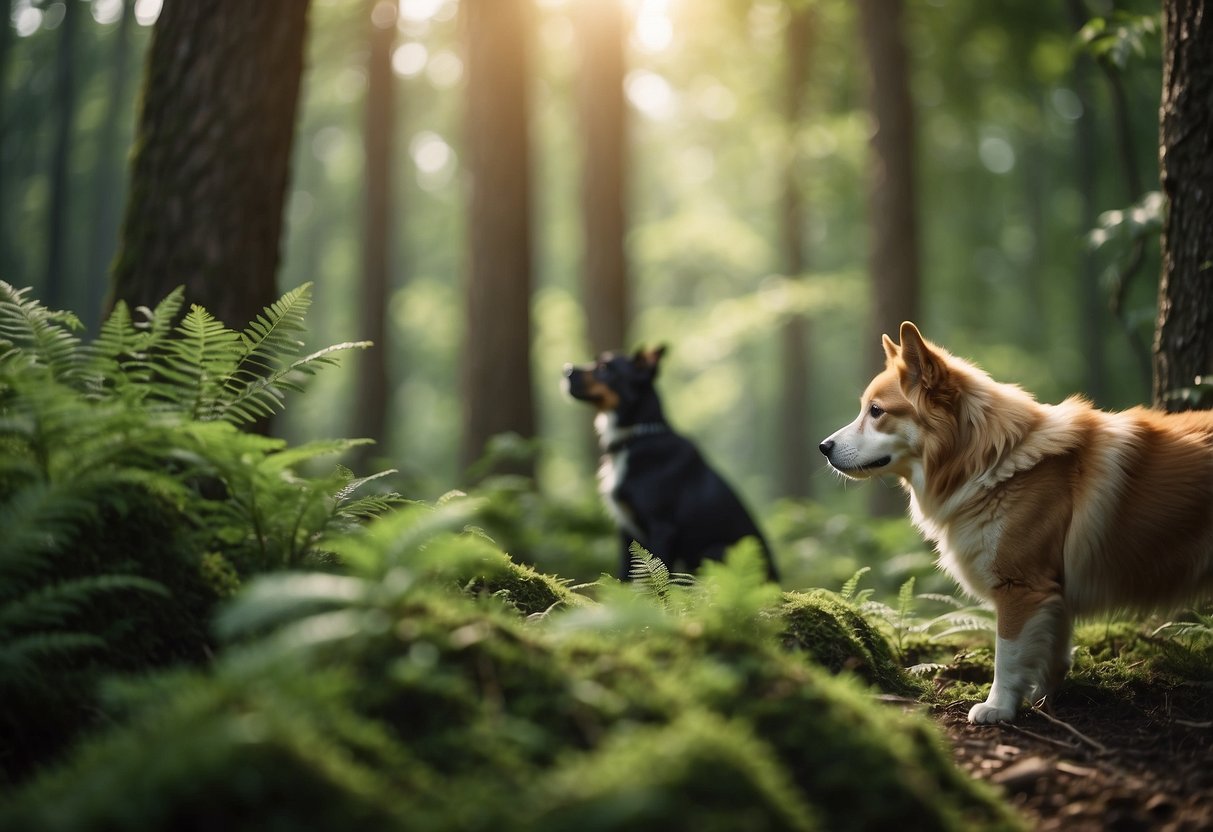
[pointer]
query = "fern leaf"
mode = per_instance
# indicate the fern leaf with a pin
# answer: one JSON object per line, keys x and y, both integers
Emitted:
{"x": 273, "y": 600}
{"x": 199, "y": 362}
{"x": 649, "y": 575}
{"x": 41, "y": 337}
{"x": 18, "y": 655}
{"x": 48, "y": 605}
{"x": 272, "y": 335}
{"x": 848, "y": 589}
{"x": 905, "y": 601}
{"x": 265, "y": 394}
{"x": 950, "y": 600}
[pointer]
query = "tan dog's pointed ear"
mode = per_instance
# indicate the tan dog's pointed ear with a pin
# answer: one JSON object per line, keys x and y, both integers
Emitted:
{"x": 921, "y": 366}
{"x": 890, "y": 349}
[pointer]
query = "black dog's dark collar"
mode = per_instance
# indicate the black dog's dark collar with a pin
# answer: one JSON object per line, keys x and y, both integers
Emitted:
{"x": 635, "y": 432}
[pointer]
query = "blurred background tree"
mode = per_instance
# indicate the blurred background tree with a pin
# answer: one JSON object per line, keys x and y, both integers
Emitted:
{"x": 496, "y": 359}
{"x": 617, "y": 172}
{"x": 378, "y": 137}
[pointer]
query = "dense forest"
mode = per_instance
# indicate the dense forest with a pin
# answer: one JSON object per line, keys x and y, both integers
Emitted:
{"x": 301, "y": 528}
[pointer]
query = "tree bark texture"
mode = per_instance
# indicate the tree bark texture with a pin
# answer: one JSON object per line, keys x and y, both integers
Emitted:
{"x": 1183, "y": 344}
{"x": 893, "y": 259}
{"x": 212, "y": 155}
{"x": 497, "y": 395}
{"x": 795, "y": 456}
{"x": 601, "y": 33}
{"x": 378, "y": 130}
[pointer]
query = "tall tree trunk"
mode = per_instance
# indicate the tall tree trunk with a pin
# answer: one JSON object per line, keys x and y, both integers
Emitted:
{"x": 212, "y": 155}
{"x": 1183, "y": 346}
{"x": 56, "y": 290}
{"x": 497, "y": 394}
{"x": 379, "y": 119}
{"x": 600, "y": 29}
{"x": 795, "y": 453}
{"x": 107, "y": 177}
{"x": 1092, "y": 303}
{"x": 6, "y": 41}
{"x": 893, "y": 261}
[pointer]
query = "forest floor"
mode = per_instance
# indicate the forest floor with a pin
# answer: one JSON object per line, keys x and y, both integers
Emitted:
{"x": 1126, "y": 762}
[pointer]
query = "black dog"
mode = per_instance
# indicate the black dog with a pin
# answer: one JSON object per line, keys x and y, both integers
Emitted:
{"x": 656, "y": 485}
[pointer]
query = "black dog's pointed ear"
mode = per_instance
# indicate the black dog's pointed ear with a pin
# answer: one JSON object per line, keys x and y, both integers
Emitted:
{"x": 920, "y": 367}
{"x": 648, "y": 360}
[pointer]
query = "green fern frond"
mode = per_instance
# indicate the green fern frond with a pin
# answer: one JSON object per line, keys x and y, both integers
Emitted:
{"x": 115, "y": 347}
{"x": 21, "y": 658}
{"x": 273, "y": 600}
{"x": 37, "y": 519}
{"x": 199, "y": 362}
{"x": 48, "y": 605}
{"x": 848, "y": 589}
{"x": 272, "y": 335}
{"x": 262, "y": 396}
{"x": 35, "y": 335}
{"x": 156, "y": 325}
{"x": 649, "y": 575}
{"x": 293, "y": 456}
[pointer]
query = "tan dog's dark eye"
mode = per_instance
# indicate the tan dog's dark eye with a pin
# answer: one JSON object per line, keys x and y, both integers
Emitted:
{"x": 875, "y": 410}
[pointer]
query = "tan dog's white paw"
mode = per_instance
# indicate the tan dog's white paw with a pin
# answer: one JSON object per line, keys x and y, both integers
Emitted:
{"x": 983, "y": 713}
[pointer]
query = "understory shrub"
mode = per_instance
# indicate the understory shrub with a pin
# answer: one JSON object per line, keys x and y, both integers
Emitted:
{"x": 405, "y": 695}
{"x": 131, "y": 501}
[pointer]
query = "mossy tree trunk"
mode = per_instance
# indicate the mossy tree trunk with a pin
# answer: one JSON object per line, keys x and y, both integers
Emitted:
{"x": 497, "y": 395}
{"x": 212, "y": 156}
{"x": 1183, "y": 345}
{"x": 893, "y": 258}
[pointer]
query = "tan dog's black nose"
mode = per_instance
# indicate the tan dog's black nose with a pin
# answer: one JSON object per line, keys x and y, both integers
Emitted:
{"x": 826, "y": 446}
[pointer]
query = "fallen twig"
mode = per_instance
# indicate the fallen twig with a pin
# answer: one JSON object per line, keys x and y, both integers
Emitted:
{"x": 1067, "y": 745}
{"x": 1098, "y": 746}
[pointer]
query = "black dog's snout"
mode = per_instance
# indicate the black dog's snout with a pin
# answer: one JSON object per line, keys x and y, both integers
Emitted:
{"x": 826, "y": 446}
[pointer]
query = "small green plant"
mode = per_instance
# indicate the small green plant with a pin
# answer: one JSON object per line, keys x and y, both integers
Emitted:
{"x": 1194, "y": 631}
{"x": 130, "y": 499}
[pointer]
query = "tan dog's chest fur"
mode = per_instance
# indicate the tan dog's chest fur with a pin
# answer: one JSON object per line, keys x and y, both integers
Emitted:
{"x": 1048, "y": 511}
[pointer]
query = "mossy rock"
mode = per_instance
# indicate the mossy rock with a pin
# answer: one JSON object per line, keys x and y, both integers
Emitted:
{"x": 212, "y": 757}
{"x": 838, "y": 638}
{"x": 522, "y": 587}
{"x": 442, "y": 711}
{"x": 699, "y": 773}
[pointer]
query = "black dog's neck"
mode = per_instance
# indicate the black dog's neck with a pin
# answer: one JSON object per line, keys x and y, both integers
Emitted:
{"x": 631, "y": 422}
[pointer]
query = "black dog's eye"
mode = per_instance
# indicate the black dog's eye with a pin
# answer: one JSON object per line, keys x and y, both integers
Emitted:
{"x": 603, "y": 372}
{"x": 875, "y": 410}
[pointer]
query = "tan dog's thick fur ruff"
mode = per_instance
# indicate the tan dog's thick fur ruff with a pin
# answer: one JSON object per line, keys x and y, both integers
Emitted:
{"x": 1048, "y": 511}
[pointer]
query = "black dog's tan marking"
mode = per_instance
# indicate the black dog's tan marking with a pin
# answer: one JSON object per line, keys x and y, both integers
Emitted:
{"x": 657, "y": 486}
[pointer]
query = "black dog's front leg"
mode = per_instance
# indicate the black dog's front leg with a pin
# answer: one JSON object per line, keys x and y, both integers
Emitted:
{"x": 625, "y": 560}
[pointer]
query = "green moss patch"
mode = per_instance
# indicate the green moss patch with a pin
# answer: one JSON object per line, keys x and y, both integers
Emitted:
{"x": 837, "y": 637}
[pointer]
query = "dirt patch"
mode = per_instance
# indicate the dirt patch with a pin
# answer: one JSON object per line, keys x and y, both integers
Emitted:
{"x": 1141, "y": 761}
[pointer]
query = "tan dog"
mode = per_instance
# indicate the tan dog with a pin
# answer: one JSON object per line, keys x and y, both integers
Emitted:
{"x": 1048, "y": 511}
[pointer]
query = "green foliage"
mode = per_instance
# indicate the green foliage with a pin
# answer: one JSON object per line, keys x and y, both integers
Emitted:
{"x": 1121, "y": 36}
{"x": 131, "y": 502}
{"x": 837, "y": 636}
{"x": 406, "y": 695}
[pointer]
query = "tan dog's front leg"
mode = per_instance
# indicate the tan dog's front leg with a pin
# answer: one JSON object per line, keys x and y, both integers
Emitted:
{"x": 1033, "y": 632}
